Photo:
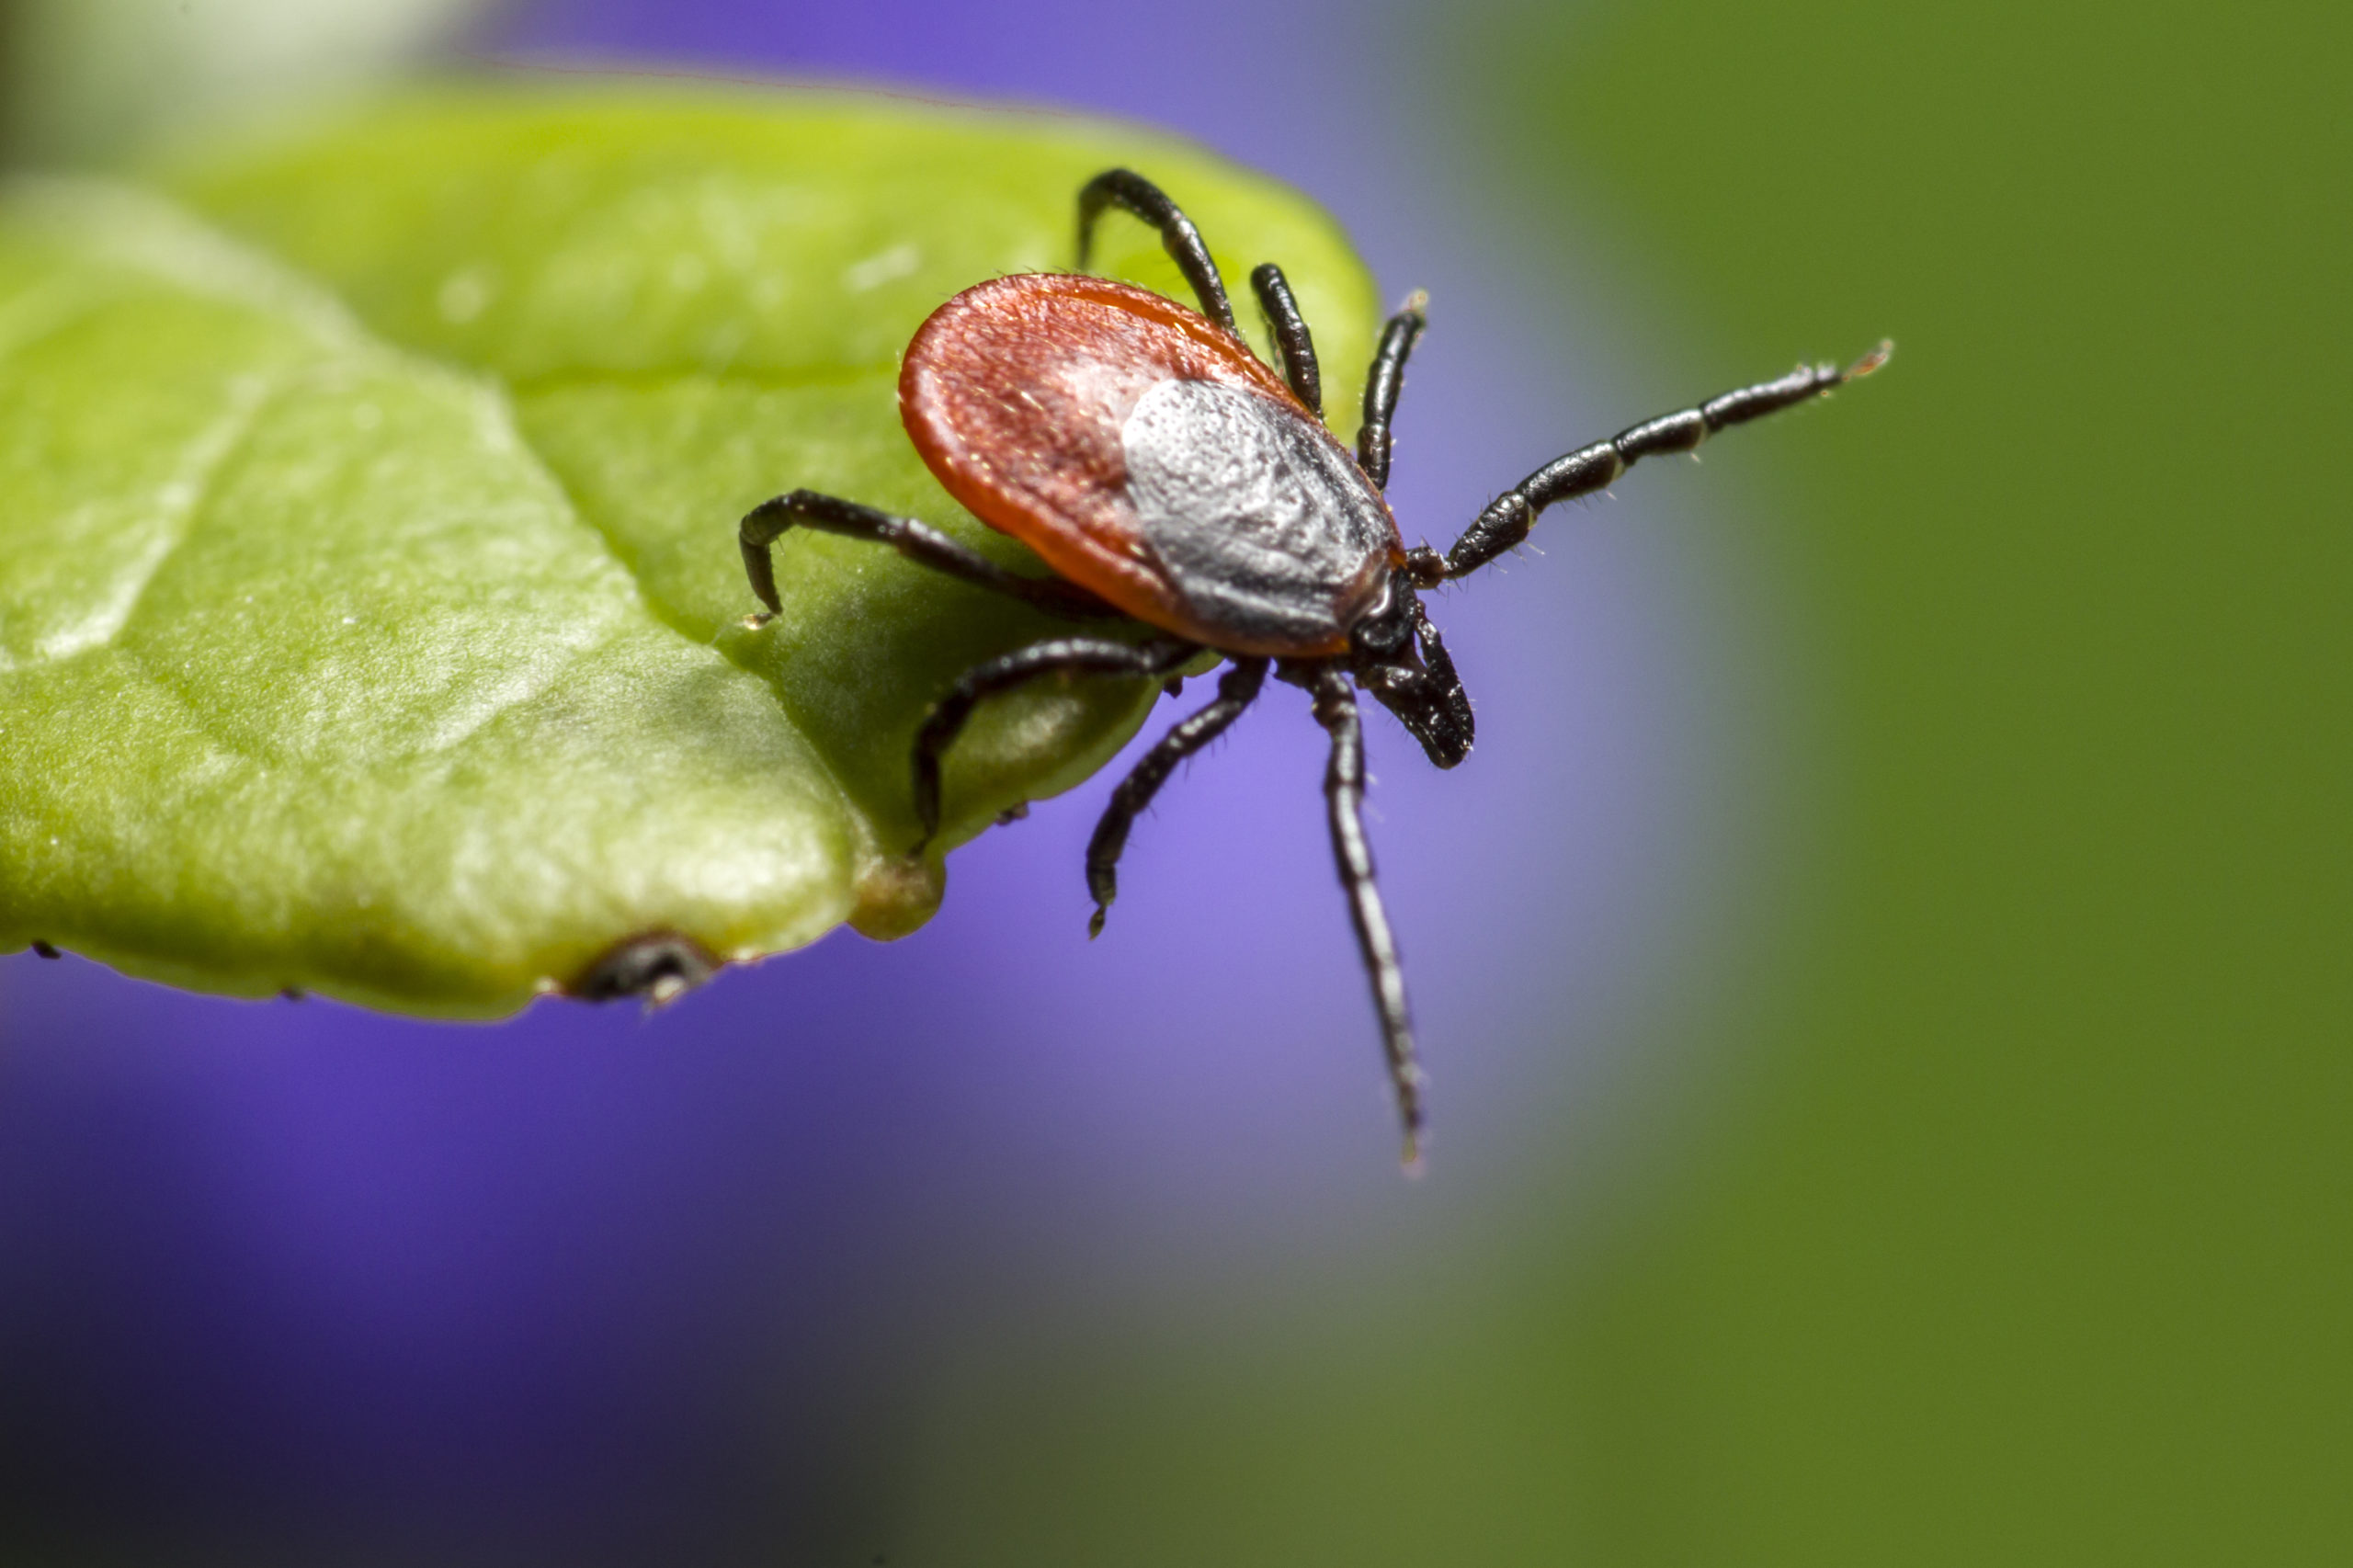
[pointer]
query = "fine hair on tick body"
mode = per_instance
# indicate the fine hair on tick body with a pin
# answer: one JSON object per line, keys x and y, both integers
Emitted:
{"x": 1168, "y": 476}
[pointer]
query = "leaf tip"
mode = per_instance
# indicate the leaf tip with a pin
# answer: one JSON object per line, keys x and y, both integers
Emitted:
{"x": 897, "y": 896}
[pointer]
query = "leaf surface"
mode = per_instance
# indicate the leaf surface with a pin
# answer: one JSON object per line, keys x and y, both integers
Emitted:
{"x": 370, "y": 614}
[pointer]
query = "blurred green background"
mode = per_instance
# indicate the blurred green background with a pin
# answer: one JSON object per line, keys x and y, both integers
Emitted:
{"x": 2030, "y": 1241}
{"x": 2023, "y": 1235}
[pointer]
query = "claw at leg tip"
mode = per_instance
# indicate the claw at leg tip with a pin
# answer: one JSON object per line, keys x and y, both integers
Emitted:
{"x": 1094, "y": 921}
{"x": 1871, "y": 361}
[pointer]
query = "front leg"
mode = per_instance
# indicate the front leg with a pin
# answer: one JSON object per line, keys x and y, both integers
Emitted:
{"x": 919, "y": 542}
{"x": 1071, "y": 655}
{"x": 1508, "y": 518}
{"x": 1335, "y": 710}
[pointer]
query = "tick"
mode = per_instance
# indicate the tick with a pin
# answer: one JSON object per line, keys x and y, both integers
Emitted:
{"x": 1169, "y": 476}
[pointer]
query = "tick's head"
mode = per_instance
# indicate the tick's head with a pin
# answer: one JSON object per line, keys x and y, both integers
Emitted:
{"x": 1396, "y": 654}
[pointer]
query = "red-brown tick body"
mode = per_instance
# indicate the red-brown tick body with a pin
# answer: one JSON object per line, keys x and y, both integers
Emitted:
{"x": 1146, "y": 455}
{"x": 1169, "y": 476}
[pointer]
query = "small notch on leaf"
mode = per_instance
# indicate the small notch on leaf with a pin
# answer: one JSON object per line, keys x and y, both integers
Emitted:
{"x": 660, "y": 967}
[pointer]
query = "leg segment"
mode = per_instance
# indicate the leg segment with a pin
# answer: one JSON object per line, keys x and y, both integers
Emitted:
{"x": 1508, "y": 518}
{"x": 1335, "y": 710}
{"x": 919, "y": 542}
{"x": 1130, "y": 192}
{"x": 1075, "y": 655}
{"x": 1385, "y": 382}
{"x": 1236, "y": 690}
{"x": 1294, "y": 348}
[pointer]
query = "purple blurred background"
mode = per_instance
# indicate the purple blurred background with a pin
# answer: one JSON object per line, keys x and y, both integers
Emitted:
{"x": 591, "y": 1286}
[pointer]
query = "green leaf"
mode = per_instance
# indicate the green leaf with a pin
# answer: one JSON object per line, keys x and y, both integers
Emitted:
{"x": 371, "y": 615}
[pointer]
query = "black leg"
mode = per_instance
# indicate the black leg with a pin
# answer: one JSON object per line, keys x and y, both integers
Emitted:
{"x": 1508, "y": 518}
{"x": 1385, "y": 382}
{"x": 1236, "y": 690}
{"x": 1335, "y": 710}
{"x": 919, "y": 542}
{"x": 1130, "y": 192}
{"x": 1294, "y": 348}
{"x": 1075, "y": 655}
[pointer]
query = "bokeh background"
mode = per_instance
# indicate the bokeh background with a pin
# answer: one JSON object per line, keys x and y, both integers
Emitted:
{"x": 1884, "y": 969}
